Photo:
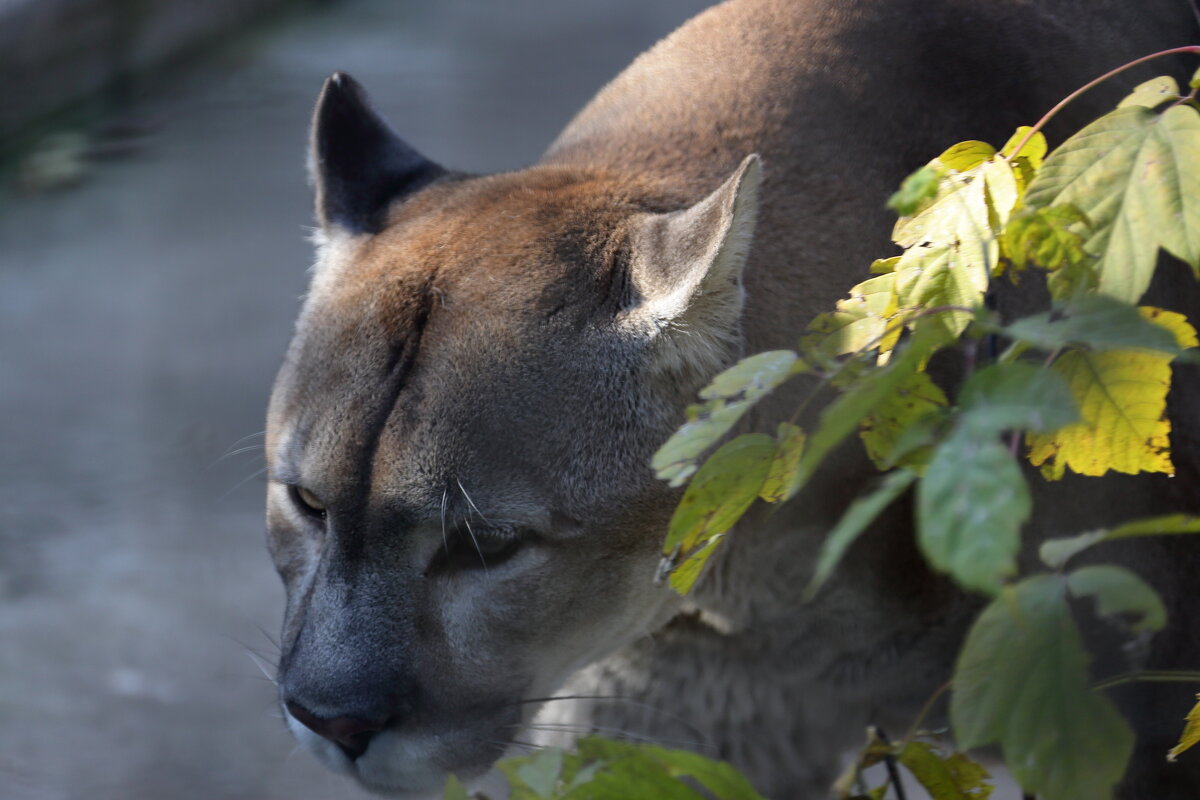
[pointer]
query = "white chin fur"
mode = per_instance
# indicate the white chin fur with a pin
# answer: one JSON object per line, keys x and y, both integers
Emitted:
{"x": 394, "y": 764}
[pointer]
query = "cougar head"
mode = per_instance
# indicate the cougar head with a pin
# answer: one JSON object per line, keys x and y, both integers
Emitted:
{"x": 460, "y": 503}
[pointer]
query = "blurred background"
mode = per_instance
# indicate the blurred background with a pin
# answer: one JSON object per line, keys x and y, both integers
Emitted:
{"x": 153, "y": 215}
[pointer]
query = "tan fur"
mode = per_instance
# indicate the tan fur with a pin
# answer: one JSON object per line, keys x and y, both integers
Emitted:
{"x": 508, "y": 351}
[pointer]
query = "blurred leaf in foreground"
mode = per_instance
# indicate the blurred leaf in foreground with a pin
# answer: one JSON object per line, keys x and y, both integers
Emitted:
{"x": 1022, "y": 682}
{"x": 1055, "y": 553}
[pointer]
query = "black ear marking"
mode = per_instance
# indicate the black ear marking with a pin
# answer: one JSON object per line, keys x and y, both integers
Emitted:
{"x": 358, "y": 164}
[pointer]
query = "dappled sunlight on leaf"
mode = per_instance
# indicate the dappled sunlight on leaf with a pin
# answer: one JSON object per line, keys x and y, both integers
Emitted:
{"x": 1135, "y": 174}
{"x": 1122, "y": 397}
{"x": 783, "y": 478}
{"x": 729, "y": 396}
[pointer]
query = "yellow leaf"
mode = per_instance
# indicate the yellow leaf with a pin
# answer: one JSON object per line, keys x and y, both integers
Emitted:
{"x": 1122, "y": 397}
{"x": 1185, "y": 334}
{"x": 874, "y": 751}
{"x": 952, "y": 777}
{"x": 782, "y": 479}
{"x": 684, "y": 577}
{"x": 858, "y": 323}
{"x": 1191, "y": 733}
{"x": 1034, "y": 148}
{"x": 950, "y": 247}
{"x": 914, "y": 398}
{"x": 966, "y": 156}
{"x": 882, "y": 266}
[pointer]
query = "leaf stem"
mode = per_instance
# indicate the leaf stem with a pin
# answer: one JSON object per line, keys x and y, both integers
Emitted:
{"x": 890, "y": 762}
{"x": 1151, "y": 676}
{"x": 926, "y": 710}
{"x": 1041, "y": 123}
{"x": 1190, "y": 97}
{"x": 898, "y": 323}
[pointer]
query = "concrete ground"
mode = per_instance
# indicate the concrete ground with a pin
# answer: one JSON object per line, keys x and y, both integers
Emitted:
{"x": 142, "y": 315}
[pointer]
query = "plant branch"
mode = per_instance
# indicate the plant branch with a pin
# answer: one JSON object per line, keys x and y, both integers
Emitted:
{"x": 926, "y": 710}
{"x": 1041, "y": 123}
{"x": 826, "y": 379}
{"x": 1151, "y": 676}
{"x": 890, "y": 762}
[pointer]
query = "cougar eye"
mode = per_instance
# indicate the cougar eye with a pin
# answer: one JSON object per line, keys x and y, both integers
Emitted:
{"x": 477, "y": 549}
{"x": 307, "y": 502}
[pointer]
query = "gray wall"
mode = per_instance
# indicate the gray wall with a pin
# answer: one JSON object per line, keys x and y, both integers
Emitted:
{"x": 55, "y": 52}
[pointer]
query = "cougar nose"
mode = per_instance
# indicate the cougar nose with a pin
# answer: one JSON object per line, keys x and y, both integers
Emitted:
{"x": 351, "y": 734}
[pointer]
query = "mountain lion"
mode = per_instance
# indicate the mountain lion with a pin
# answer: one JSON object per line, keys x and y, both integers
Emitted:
{"x": 460, "y": 501}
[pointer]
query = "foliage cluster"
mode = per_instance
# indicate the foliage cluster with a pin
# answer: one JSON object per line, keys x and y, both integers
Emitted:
{"x": 1080, "y": 387}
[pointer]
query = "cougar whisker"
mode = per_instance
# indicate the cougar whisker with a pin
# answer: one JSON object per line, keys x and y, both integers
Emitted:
{"x": 471, "y": 502}
{"x": 617, "y": 733}
{"x": 618, "y": 698}
{"x": 257, "y": 473}
{"x": 445, "y": 541}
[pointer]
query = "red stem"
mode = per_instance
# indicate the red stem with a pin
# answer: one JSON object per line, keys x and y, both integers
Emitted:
{"x": 1195, "y": 49}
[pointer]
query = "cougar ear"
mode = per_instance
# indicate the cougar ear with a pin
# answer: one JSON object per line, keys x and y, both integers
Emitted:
{"x": 686, "y": 266}
{"x": 357, "y": 164}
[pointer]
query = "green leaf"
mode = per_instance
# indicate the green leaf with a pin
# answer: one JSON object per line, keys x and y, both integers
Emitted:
{"x": 1055, "y": 553}
{"x": 455, "y": 790}
{"x": 1022, "y": 682}
{"x": 882, "y": 266}
{"x": 1191, "y": 731}
{"x": 913, "y": 398}
{"x": 730, "y": 395}
{"x": 956, "y": 777}
{"x": 912, "y": 447}
{"x": 1001, "y": 190}
{"x": 858, "y": 323}
{"x": 861, "y": 513}
{"x": 721, "y": 492}
{"x": 541, "y": 772}
{"x": 675, "y": 461}
{"x": 1015, "y": 397}
{"x": 843, "y": 415}
{"x": 1119, "y": 591}
{"x": 1194, "y": 83}
{"x": 951, "y": 246}
{"x": 949, "y": 252}
{"x": 971, "y": 504}
{"x": 1152, "y": 93}
{"x": 781, "y": 483}
{"x": 1095, "y": 322}
{"x": 1136, "y": 175}
{"x": 1155, "y": 526}
{"x": 1026, "y": 163}
{"x": 627, "y": 762}
{"x": 634, "y": 777}
{"x": 970, "y": 776}
{"x": 916, "y": 189}
{"x": 752, "y": 377}
{"x": 1050, "y": 238}
{"x": 965, "y": 156}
